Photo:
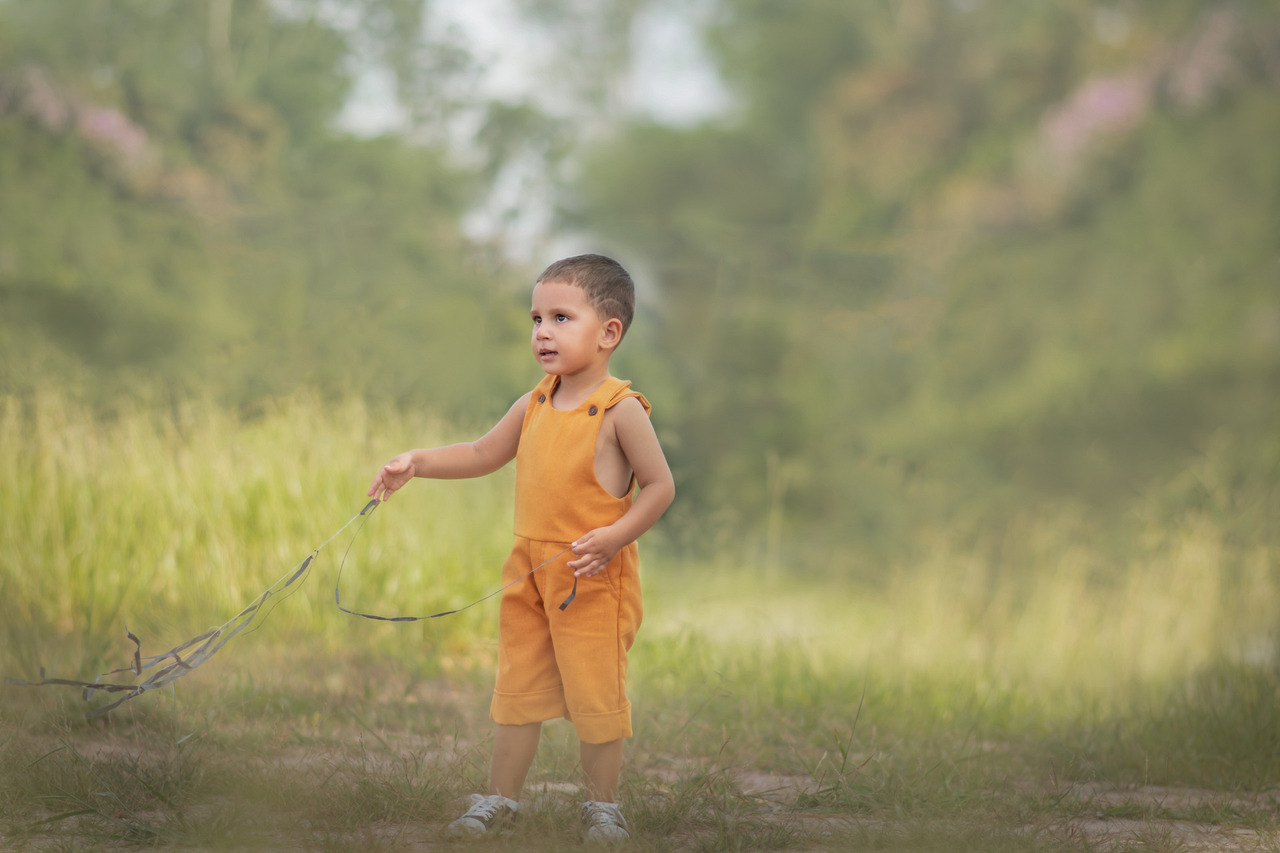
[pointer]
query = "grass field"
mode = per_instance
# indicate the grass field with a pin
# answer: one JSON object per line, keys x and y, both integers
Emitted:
{"x": 1077, "y": 695}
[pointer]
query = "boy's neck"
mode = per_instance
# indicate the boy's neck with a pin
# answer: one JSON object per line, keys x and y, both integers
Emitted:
{"x": 574, "y": 388}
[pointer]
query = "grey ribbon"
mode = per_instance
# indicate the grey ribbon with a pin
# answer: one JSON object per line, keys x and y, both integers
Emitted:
{"x": 186, "y": 657}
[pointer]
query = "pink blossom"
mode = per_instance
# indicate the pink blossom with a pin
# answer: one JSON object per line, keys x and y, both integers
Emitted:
{"x": 1103, "y": 106}
{"x": 111, "y": 129}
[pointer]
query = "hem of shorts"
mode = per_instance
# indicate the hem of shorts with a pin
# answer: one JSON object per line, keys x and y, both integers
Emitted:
{"x": 519, "y": 709}
{"x": 603, "y": 728}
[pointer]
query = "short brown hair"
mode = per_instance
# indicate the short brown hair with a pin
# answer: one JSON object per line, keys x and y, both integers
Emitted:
{"x": 608, "y": 286}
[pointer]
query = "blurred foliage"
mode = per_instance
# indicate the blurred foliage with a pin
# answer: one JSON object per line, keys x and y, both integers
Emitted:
{"x": 180, "y": 215}
{"x": 939, "y": 262}
{"x": 964, "y": 261}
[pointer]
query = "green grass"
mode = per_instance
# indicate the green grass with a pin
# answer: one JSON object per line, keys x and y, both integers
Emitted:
{"x": 960, "y": 703}
{"x": 172, "y": 524}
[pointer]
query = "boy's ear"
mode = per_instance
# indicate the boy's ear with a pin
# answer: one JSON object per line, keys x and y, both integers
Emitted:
{"x": 611, "y": 333}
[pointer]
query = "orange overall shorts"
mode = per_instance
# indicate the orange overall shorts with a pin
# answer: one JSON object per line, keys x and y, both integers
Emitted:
{"x": 569, "y": 663}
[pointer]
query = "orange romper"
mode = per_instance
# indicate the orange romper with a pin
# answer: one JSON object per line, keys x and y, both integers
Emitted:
{"x": 569, "y": 663}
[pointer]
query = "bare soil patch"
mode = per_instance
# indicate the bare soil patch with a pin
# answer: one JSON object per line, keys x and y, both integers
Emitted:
{"x": 1155, "y": 817}
{"x": 1086, "y": 816}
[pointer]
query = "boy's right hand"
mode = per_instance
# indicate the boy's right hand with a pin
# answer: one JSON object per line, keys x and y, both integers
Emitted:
{"x": 392, "y": 476}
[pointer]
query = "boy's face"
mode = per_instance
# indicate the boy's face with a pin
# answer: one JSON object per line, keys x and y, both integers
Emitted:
{"x": 569, "y": 336}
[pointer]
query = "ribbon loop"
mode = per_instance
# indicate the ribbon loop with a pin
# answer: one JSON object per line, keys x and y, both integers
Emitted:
{"x": 172, "y": 665}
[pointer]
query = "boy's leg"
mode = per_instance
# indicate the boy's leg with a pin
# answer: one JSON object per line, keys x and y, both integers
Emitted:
{"x": 514, "y": 748}
{"x": 601, "y": 814}
{"x": 602, "y": 765}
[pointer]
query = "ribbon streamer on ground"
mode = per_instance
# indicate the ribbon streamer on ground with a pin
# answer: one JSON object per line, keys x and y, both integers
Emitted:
{"x": 186, "y": 657}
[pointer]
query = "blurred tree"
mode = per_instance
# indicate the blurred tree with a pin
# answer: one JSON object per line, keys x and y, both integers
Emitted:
{"x": 178, "y": 206}
{"x": 935, "y": 258}
{"x": 959, "y": 255}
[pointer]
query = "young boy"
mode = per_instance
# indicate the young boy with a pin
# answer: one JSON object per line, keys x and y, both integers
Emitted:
{"x": 583, "y": 443}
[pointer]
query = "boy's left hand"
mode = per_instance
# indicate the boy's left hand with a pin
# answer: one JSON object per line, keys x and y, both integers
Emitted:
{"x": 594, "y": 551}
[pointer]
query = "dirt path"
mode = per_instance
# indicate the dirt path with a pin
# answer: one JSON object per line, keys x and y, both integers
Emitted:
{"x": 1109, "y": 818}
{"x": 1188, "y": 819}
{"x": 1092, "y": 817}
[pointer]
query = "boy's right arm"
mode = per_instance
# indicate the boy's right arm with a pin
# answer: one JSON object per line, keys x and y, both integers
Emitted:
{"x": 476, "y": 458}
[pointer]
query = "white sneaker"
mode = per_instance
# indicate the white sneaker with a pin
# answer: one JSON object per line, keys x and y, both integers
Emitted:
{"x": 604, "y": 822}
{"x": 492, "y": 812}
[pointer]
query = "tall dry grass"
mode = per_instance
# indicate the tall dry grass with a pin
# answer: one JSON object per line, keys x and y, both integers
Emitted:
{"x": 928, "y": 706}
{"x": 170, "y": 522}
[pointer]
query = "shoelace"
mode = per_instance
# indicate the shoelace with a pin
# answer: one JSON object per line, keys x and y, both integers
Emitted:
{"x": 486, "y": 810}
{"x": 601, "y": 814}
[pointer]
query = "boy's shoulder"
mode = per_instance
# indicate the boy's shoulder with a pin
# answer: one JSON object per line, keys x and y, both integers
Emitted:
{"x": 611, "y": 392}
{"x": 617, "y": 391}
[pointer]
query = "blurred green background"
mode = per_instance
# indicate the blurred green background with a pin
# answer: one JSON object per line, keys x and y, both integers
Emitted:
{"x": 909, "y": 270}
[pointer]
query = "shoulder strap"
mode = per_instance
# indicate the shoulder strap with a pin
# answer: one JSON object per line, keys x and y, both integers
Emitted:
{"x": 614, "y": 391}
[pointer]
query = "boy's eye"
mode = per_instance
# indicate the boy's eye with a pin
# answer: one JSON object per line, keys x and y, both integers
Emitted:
{"x": 560, "y": 318}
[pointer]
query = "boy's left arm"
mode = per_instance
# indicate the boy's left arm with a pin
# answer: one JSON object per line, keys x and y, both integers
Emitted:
{"x": 639, "y": 444}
